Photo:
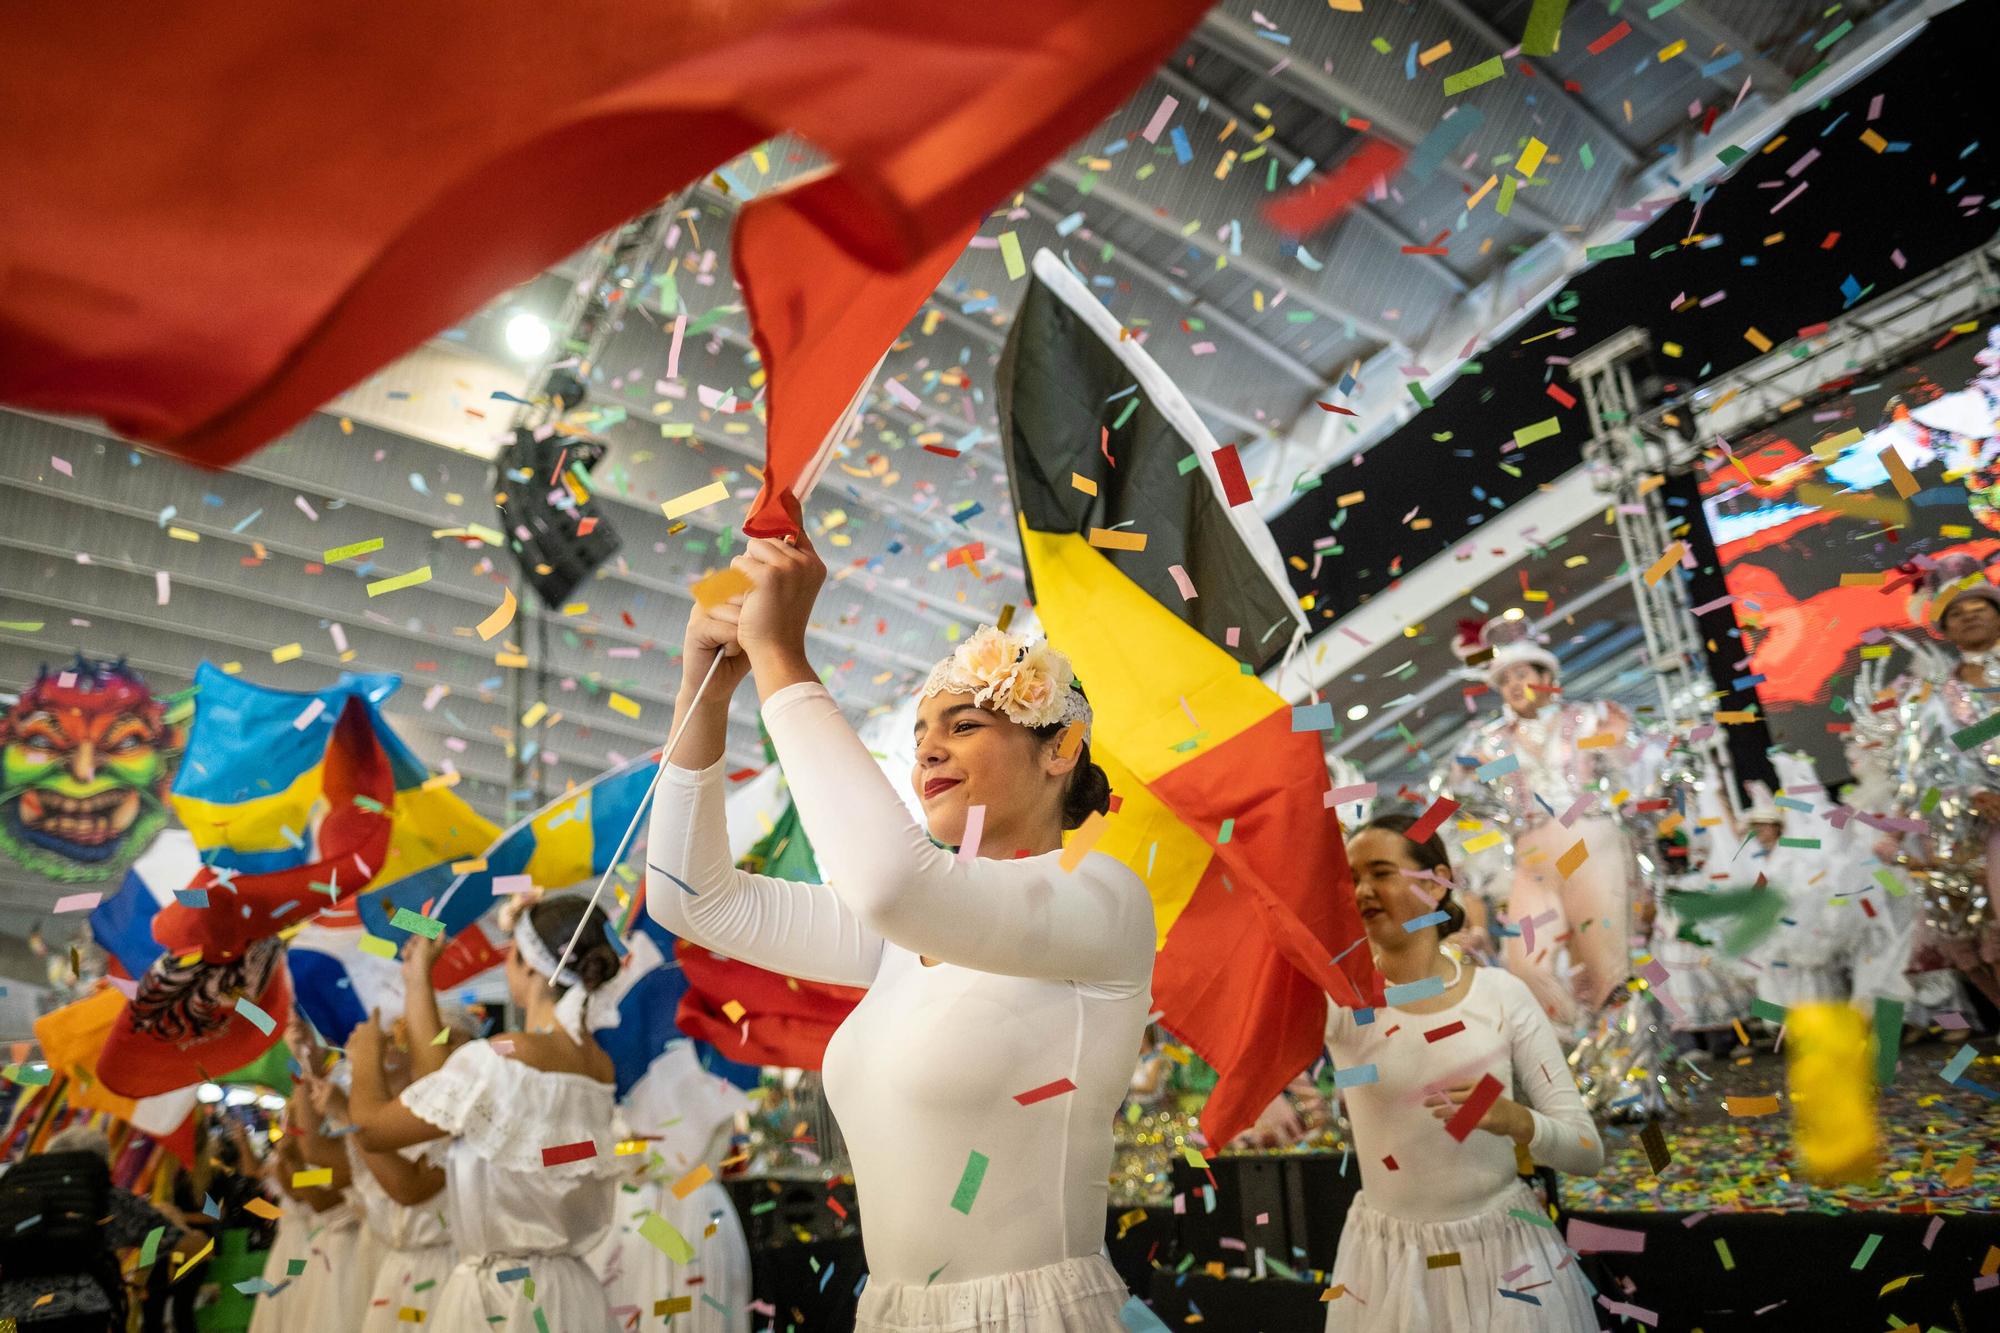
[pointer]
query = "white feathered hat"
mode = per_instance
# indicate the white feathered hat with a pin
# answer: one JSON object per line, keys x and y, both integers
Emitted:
{"x": 1499, "y": 643}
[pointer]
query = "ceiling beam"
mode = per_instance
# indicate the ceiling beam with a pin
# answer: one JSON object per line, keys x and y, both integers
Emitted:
{"x": 1366, "y": 211}
{"x": 1501, "y": 43}
{"x": 1200, "y": 239}
{"x": 1767, "y": 77}
{"x": 1237, "y": 40}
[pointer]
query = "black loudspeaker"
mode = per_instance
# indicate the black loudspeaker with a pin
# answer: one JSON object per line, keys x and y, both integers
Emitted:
{"x": 1291, "y": 1206}
{"x": 557, "y": 539}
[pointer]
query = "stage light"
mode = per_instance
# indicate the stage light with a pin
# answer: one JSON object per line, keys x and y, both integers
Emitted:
{"x": 270, "y": 1101}
{"x": 1356, "y": 713}
{"x": 239, "y": 1097}
{"x": 1512, "y": 613}
{"x": 527, "y": 336}
{"x": 208, "y": 1094}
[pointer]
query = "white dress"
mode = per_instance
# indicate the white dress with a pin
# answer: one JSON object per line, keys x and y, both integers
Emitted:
{"x": 275, "y": 1308}
{"x": 984, "y": 1190}
{"x": 409, "y": 1251}
{"x": 680, "y": 1109}
{"x": 1810, "y": 954}
{"x": 326, "y": 1296}
{"x": 1426, "y": 1195}
{"x": 521, "y": 1227}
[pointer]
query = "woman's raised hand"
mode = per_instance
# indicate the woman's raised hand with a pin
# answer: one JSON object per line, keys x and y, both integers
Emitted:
{"x": 785, "y": 579}
{"x": 711, "y": 633}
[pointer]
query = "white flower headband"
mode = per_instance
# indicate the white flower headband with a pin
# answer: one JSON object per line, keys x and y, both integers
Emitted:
{"x": 1025, "y": 679}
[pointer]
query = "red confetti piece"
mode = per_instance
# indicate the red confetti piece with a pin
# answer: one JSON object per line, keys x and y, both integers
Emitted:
{"x": 964, "y": 555}
{"x": 1432, "y": 819}
{"x": 1562, "y": 395}
{"x": 1389, "y": 1162}
{"x": 1468, "y": 1116}
{"x": 1329, "y": 407}
{"x": 1319, "y": 202}
{"x": 1235, "y": 486}
{"x": 1449, "y": 1029}
{"x": 940, "y": 451}
{"x": 569, "y": 1152}
{"x": 1611, "y": 39}
{"x": 1046, "y": 1091}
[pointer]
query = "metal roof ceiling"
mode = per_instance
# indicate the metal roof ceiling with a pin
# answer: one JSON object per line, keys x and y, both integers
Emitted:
{"x": 1253, "y": 326}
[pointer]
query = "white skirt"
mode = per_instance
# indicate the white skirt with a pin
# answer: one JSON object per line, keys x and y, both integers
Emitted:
{"x": 274, "y": 1311}
{"x": 396, "y": 1277}
{"x": 328, "y": 1296}
{"x": 637, "y": 1274}
{"x": 1073, "y": 1296}
{"x": 1387, "y": 1285}
{"x": 567, "y": 1294}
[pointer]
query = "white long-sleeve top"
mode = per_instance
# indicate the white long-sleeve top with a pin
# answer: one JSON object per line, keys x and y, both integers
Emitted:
{"x": 1042, "y": 975}
{"x": 1435, "y": 1178}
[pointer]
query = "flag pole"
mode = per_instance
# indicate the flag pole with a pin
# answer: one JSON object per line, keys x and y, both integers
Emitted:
{"x": 638, "y": 814}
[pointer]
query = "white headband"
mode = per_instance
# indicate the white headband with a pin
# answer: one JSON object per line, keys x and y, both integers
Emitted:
{"x": 528, "y": 947}
{"x": 1025, "y": 680}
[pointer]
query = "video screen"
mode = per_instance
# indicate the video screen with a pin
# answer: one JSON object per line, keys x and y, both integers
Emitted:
{"x": 1807, "y": 519}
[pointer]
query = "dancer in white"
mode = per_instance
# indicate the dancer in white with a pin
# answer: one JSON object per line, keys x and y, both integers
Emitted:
{"x": 1549, "y": 767}
{"x": 1008, "y": 983}
{"x": 523, "y": 1125}
{"x": 1424, "y": 1191}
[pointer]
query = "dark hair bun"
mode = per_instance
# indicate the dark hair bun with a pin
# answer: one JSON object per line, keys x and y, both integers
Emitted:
{"x": 555, "y": 920}
{"x": 1089, "y": 791}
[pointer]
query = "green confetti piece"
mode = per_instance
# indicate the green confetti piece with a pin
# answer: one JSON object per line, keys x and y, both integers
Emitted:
{"x": 1194, "y": 1157}
{"x": 658, "y": 1232}
{"x": 1544, "y": 27}
{"x": 1131, "y": 406}
{"x": 24, "y": 626}
{"x": 1729, "y": 154}
{"x": 27, "y": 1076}
{"x": 1867, "y": 1252}
{"x": 1188, "y": 464}
{"x": 257, "y": 1018}
{"x": 1228, "y": 828}
{"x": 1888, "y": 1039}
{"x": 1381, "y": 44}
{"x": 1532, "y": 1217}
{"x": 1424, "y": 399}
{"x": 968, "y": 1184}
{"x": 677, "y": 430}
{"x": 1615, "y": 250}
{"x": 1808, "y": 843}
{"x": 1930, "y": 799}
{"x": 151, "y": 1249}
{"x": 1722, "y": 1253}
{"x": 1846, "y": 26}
{"x": 1890, "y": 884}
{"x": 1484, "y": 72}
{"x": 1504, "y": 205}
{"x": 1586, "y": 155}
{"x": 335, "y": 554}
{"x": 1770, "y": 1013}
{"x": 1978, "y": 733}
{"x": 405, "y": 919}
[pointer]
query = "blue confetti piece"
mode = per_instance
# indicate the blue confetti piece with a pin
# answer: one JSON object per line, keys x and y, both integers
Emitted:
{"x": 1182, "y": 151}
{"x": 1958, "y": 1064}
{"x": 510, "y": 1275}
{"x": 1355, "y": 1077}
{"x": 1313, "y": 717}
{"x": 1411, "y": 991}
{"x": 1425, "y": 922}
{"x": 1500, "y": 767}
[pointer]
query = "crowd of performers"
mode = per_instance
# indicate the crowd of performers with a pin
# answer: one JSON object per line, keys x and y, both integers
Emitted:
{"x": 1579, "y": 909}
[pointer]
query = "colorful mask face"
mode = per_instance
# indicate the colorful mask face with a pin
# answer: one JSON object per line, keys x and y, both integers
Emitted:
{"x": 86, "y": 756}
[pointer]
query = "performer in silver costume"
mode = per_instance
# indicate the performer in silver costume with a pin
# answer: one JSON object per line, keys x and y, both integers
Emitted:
{"x": 1956, "y": 859}
{"x": 1544, "y": 774}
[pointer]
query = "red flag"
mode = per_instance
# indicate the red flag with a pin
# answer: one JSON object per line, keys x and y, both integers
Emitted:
{"x": 783, "y": 1020}
{"x": 255, "y": 208}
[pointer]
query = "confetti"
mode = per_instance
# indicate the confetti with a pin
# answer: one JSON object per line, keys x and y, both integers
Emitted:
{"x": 968, "y": 1183}
{"x": 658, "y": 1232}
{"x": 400, "y": 581}
{"x": 569, "y": 1152}
{"x": 700, "y": 498}
{"x": 502, "y": 616}
{"x": 1045, "y": 1092}
{"x": 1467, "y": 1117}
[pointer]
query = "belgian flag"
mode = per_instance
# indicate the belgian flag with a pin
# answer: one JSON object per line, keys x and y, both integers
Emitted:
{"x": 1169, "y": 599}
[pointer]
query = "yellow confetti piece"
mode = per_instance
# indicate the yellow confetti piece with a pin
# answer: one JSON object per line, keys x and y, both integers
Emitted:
{"x": 733, "y": 1011}
{"x": 693, "y": 1181}
{"x": 510, "y": 659}
{"x": 1110, "y": 539}
{"x": 318, "y": 1176}
{"x": 619, "y": 704}
{"x": 1669, "y": 52}
{"x": 1830, "y": 1072}
{"x": 1666, "y": 562}
{"x": 1434, "y": 54}
{"x": 1483, "y": 841}
{"x": 1531, "y": 157}
{"x": 502, "y": 616}
{"x": 1350, "y": 499}
{"x": 183, "y": 534}
{"x": 290, "y": 652}
{"x": 536, "y": 712}
{"x": 471, "y": 866}
{"x": 699, "y": 498}
{"x": 672, "y": 1305}
{"x": 1756, "y": 340}
{"x": 197, "y": 1257}
{"x": 1899, "y": 473}
{"x": 1082, "y": 840}
{"x": 1010, "y": 254}
{"x": 1750, "y": 1106}
{"x": 1874, "y": 140}
{"x": 400, "y": 581}
{"x": 1569, "y": 861}
{"x": 719, "y": 587}
{"x": 1083, "y": 483}
{"x": 335, "y": 554}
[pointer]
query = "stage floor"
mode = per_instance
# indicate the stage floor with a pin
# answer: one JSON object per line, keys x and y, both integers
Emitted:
{"x": 1941, "y": 1146}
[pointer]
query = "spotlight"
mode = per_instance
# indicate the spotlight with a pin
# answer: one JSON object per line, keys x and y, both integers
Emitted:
{"x": 208, "y": 1094}
{"x": 1356, "y": 713}
{"x": 527, "y": 336}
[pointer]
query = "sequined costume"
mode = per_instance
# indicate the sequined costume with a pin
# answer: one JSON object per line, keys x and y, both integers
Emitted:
{"x": 1956, "y": 859}
{"x": 1550, "y": 779}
